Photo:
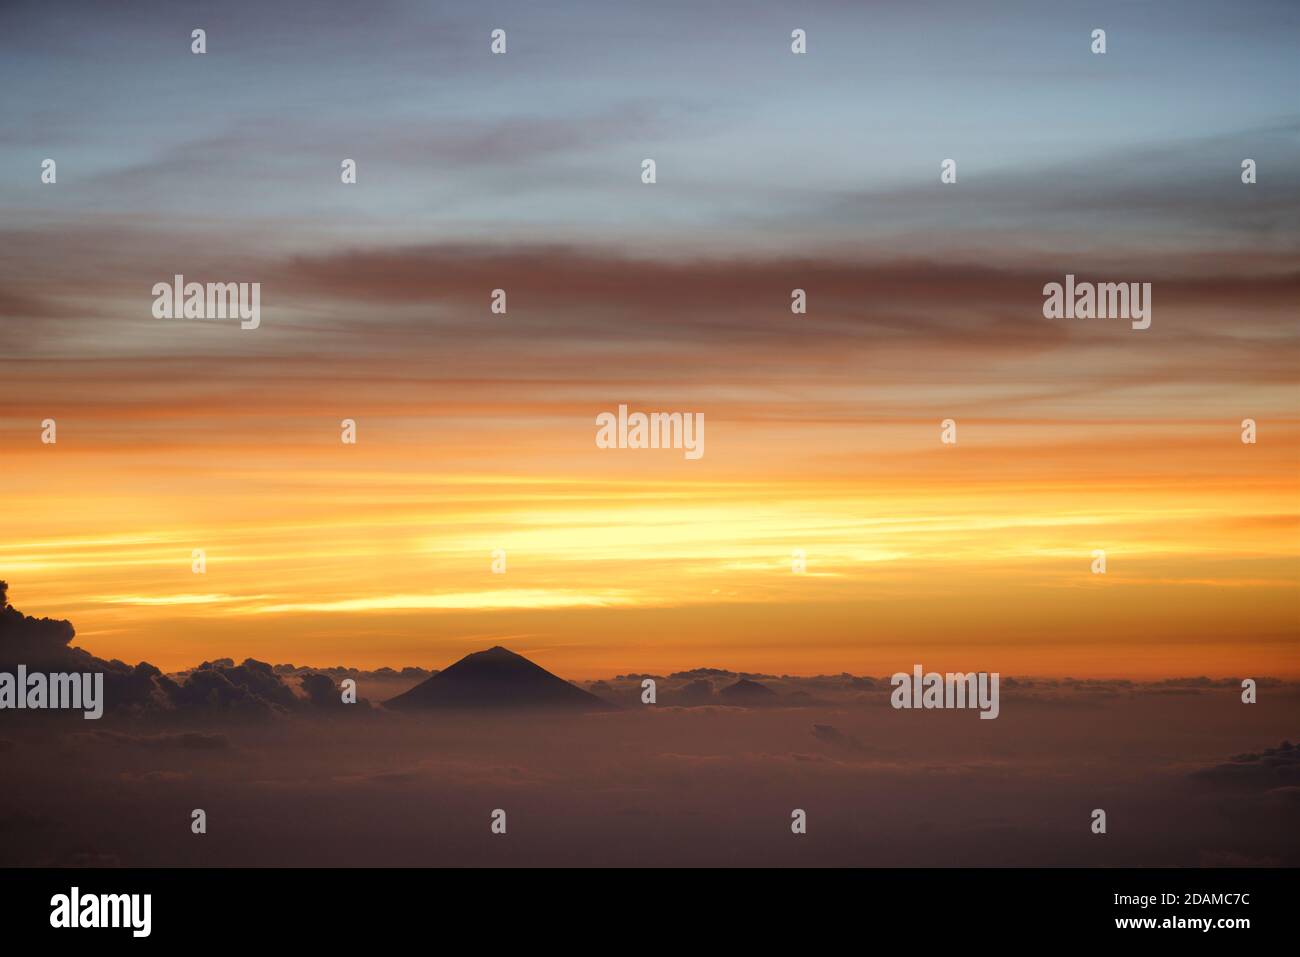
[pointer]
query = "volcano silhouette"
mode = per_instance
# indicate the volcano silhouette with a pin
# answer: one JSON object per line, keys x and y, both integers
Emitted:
{"x": 748, "y": 692}
{"x": 498, "y": 680}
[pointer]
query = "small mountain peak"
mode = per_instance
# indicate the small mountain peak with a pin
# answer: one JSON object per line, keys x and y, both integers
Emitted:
{"x": 497, "y": 678}
{"x": 746, "y": 689}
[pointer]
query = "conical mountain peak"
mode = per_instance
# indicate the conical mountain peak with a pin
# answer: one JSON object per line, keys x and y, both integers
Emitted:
{"x": 497, "y": 679}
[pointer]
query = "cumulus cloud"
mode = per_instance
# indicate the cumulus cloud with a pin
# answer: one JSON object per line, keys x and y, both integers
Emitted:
{"x": 36, "y": 642}
{"x": 323, "y": 691}
{"x": 339, "y": 672}
{"x": 250, "y": 689}
{"x": 716, "y": 673}
{"x": 1272, "y": 768}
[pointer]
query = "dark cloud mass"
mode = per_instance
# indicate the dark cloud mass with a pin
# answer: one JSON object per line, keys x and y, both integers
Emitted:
{"x": 34, "y": 641}
{"x": 1277, "y": 767}
{"x": 249, "y": 689}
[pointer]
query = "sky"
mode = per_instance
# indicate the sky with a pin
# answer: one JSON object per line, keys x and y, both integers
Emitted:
{"x": 774, "y": 171}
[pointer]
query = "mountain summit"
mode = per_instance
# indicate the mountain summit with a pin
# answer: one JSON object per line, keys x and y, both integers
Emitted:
{"x": 746, "y": 692}
{"x": 498, "y": 680}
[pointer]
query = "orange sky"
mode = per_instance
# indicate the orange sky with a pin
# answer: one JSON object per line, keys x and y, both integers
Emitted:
{"x": 975, "y": 556}
{"x": 477, "y": 432}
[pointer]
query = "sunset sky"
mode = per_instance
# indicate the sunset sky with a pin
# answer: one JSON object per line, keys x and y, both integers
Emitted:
{"x": 476, "y": 431}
